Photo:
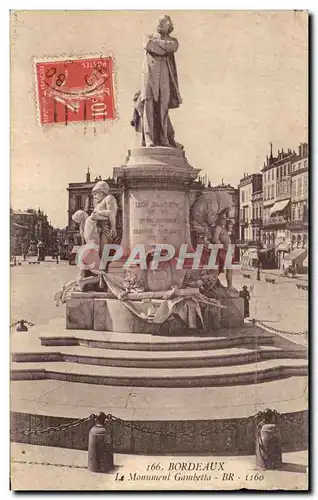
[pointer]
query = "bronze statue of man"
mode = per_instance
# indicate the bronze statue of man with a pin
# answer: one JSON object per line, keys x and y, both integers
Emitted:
{"x": 159, "y": 90}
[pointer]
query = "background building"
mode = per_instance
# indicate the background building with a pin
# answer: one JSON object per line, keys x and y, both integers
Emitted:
{"x": 248, "y": 186}
{"x": 276, "y": 203}
{"x": 298, "y": 224}
{"x": 29, "y": 226}
{"x": 257, "y": 214}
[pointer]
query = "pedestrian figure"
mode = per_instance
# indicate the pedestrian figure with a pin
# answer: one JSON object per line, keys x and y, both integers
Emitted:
{"x": 41, "y": 251}
{"x": 244, "y": 293}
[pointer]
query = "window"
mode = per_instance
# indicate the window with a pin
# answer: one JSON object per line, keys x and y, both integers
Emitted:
{"x": 305, "y": 187}
{"x": 298, "y": 213}
{"x": 277, "y": 172}
{"x": 243, "y": 196}
{"x": 299, "y": 166}
{"x": 281, "y": 171}
{"x": 293, "y": 193}
{"x": 78, "y": 202}
{"x": 299, "y": 186}
{"x": 260, "y": 212}
{"x": 272, "y": 191}
{"x": 293, "y": 212}
{"x": 305, "y": 163}
{"x": 294, "y": 167}
{"x": 289, "y": 168}
{"x": 284, "y": 170}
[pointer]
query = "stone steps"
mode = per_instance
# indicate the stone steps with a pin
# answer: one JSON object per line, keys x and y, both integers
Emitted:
{"x": 248, "y": 337}
{"x": 158, "y": 359}
{"x": 251, "y": 373}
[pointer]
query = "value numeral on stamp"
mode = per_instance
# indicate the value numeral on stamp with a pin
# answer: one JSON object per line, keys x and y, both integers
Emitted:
{"x": 99, "y": 109}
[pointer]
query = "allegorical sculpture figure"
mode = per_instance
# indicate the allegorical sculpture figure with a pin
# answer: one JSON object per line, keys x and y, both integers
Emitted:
{"x": 104, "y": 213}
{"x": 99, "y": 228}
{"x": 159, "y": 89}
{"x": 208, "y": 221}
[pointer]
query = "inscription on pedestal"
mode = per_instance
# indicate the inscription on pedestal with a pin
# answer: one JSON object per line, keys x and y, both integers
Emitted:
{"x": 159, "y": 217}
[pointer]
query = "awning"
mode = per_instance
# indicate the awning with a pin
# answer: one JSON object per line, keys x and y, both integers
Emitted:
{"x": 279, "y": 206}
{"x": 266, "y": 250}
{"x": 282, "y": 247}
{"x": 298, "y": 255}
{"x": 15, "y": 224}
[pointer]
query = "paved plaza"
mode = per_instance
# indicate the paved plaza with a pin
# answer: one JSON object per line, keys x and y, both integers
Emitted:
{"x": 281, "y": 305}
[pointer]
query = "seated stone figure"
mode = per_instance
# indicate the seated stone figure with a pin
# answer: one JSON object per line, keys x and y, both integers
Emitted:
{"x": 208, "y": 217}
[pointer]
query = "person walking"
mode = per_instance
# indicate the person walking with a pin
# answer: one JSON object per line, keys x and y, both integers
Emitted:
{"x": 245, "y": 294}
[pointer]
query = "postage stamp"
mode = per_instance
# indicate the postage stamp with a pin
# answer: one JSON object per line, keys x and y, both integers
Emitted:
{"x": 75, "y": 90}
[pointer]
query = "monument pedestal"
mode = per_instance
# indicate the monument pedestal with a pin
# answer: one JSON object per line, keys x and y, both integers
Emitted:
{"x": 96, "y": 311}
{"x": 156, "y": 197}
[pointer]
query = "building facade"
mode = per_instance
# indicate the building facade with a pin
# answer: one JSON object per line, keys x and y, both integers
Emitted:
{"x": 276, "y": 203}
{"x": 298, "y": 224}
{"x": 29, "y": 226}
{"x": 248, "y": 186}
{"x": 257, "y": 214}
{"x": 285, "y": 207}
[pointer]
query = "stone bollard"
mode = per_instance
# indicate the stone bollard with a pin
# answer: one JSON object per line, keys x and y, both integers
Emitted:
{"x": 100, "y": 447}
{"x": 21, "y": 326}
{"x": 268, "y": 441}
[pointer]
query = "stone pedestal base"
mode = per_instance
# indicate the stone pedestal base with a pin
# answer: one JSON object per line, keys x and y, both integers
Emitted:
{"x": 94, "y": 311}
{"x": 233, "y": 315}
{"x": 103, "y": 314}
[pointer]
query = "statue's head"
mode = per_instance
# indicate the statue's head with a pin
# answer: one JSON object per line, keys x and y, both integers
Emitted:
{"x": 165, "y": 26}
{"x": 79, "y": 216}
{"x": 229, "y": 225}
{"x": 100, "y": 190}
{"x": 221, "y": 218}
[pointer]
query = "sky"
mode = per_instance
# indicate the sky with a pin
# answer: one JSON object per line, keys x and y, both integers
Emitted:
{"x": 242, "y": 76}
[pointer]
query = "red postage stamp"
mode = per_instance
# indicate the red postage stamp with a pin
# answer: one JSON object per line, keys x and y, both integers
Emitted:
{"x": 78, "y": 90}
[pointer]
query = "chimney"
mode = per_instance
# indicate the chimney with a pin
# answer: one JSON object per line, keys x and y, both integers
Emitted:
{"x": 300, "y": 149}
{"x": 88, "y": 175}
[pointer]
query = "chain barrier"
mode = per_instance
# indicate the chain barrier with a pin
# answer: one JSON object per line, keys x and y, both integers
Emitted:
{"x": 229, "y": 427}
{"x": 22, "y": 321}
{"x": 49, "y": 464}
{"x": 277, "y": 330}
{"x": 52, "y": 430}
